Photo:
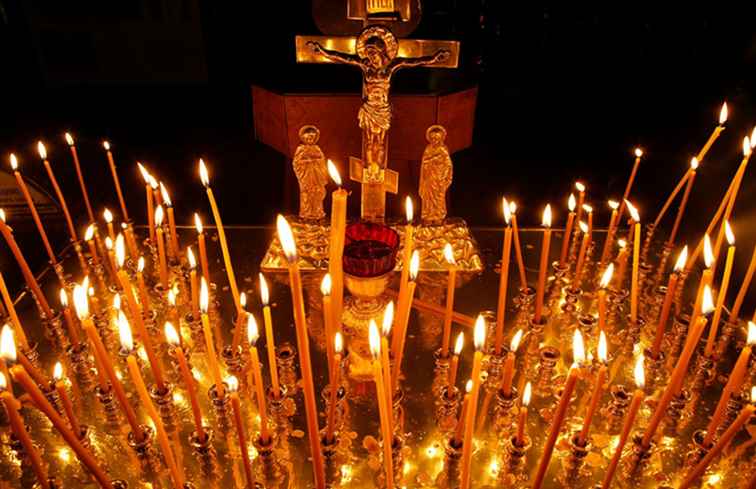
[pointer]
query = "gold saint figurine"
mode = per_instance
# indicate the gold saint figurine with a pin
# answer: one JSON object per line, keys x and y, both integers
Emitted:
{"x": 435, "y": 175}
{"x": 312, "y": 173}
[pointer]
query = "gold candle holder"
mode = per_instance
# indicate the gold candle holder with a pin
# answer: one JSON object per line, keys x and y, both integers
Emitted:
{"x": 524, "y": 305}
{"x": 332, "y": 459}
{"x": 107, "y": 400}
{"x": 221, "y": 406}
{"x": 549, "y": 356}
{"x": 286, "y": 355}
{"x": 447, "y": 408}
{"x": 515, "y": 461}
{"x": 81, "y": 365}
{"x": 636, "y": 464}
{"x": 449, "y": 477}
{"x": 574, "y": 466}
{"x": 698, "y": 449}
{"x": 615, "y": 411}
{"x": 341, "y": 410}
{"x": 504, "y": 411}
{"x": 204, "y": 451}
{"x": 270, "y": 473}
{"x": 144, "y": 449}
{"x": 163, "y": 399}
{"x": 674, "y": 421}
{"x": 441, "y": 365}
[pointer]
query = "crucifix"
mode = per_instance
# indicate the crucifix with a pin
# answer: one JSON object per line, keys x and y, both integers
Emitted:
{"x": 379, "y": 54}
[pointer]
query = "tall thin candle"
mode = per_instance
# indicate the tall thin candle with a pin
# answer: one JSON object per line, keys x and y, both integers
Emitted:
{"x": 722, "y": 294}
{"x": 202, "y": 246}
{"x": 606, "y": 279}
{"x": 451, "y": 287}
{"x": 459, "y": 343}
{"x": 509, "y": 364}
{"x": 400, "y": 334}
{"x": 162, "y": 260}
{"x": 116, "y": 181}
{"x": 568, "y": 230}
{"x": 506, "y": 251}
{"x": 172, "y": 337}
{"x": 409, "y": 232}
{"x": 212, "y": 357}
{"x": 638, "y": 154}
{"x": 328, "y": 329}
{"x": 582, "y": 253}
{"x": 522, "y": 417}
{"x": 43, "y": 154}
{"x": 233, "y": 388}
{"x": 173, "y": 242}
{"x": 336, "y": 244}
{"x": 598, "y": 388}
{"x": 669, "y": 297}
{"x": 744, "y": 285}
{"x": 82, "y": 185}
{"x": 32, "y": 208}
{"x": 270, "y": 341}
{"x": 18, "y": 330}
{"x": 334, "y": 386}
{"x": 634, "y": 283}
{"x": 193, "y": 282}
{"x": 150, "y": 201}
{"x": 479, "y": 340}
{"x": 518, "y": 248}
{"x": 374, "y": 338}
{"x": 253, "y": 334}
{"x": 683, "y": 202}
{"x": 610, "y": 232}
{"x": 541, "y": 288}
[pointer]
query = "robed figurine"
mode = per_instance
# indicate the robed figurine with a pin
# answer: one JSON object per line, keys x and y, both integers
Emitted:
{"x": 312, "y": 173}
{"x": 435, "y": 175}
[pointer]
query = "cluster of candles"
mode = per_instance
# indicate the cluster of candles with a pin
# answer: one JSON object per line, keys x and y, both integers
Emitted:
{"x": 115, "y": 258}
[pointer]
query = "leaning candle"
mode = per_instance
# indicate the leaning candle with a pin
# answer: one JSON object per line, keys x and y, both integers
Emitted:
{"x": 406, "y": 255}
{"x": 334, "y": 386}
{"x": 193, "y": 283}
{"x": 635, "y": 404}
{"x": 108, "y": 216}
{"x": 518, "y": 249}
{"x": 289, "y": 246}
{"x": 89, "y": 235}
{"x": 744, "y": 417}
{"x": 388, "y": 321}
{"x": 173, "y": 339}
{"x": 253, "y": 334}
{"x": 541, "y": 288}
{"x": 451, "y": 286}
{"x": 400, "y": 334}
{"x": 65, "y": 399}
{"x": 144, "y": 297}
{"x": 202, "y": 246}
{"x": 581, "y": 200}
{"x": 506, "y": 251}
{"x": 383, "y": 405}
{"x": 745, "y": 284}
{"x": 325, "y": 290}
{"x": 18, "y": 427}
{"x": 18, "y": 330}
{"x": 150, "y": 201}
{"x": 270, "y": 341}
{"x": 522, "y": 417}
{"x": 635, "y": 283}
{"x": 205, "y": 178}
{"x": 71, "y": 228}
{"x": 606, "y": 279}
{"x": 598, "y": 389}
{"x": 722, "y": 294}
{"x": 621, "y": 263}
{"x": 578, "y": 357}
{"x": 77, "y": 166}
{"x": 212, "y": 357}
{"x": 581, "y": 254}
{"x": 241, "y": 321}
{"x": 73, "y": 332}
{"x": 589, "y": 211}
{"x": 567, "y": 230}
{"x": 32, "y": 208}
{"x": 454, "y": 366}
{"x": 509, "y": 364}
{"x": 629, "y": 186}
{"x": 683, "y": 203}
{"x": 162, "y": 261}
{"x": 233, "y": 389}
{"x": 479, "y": 340}
{"x": 116, "y": 181}
{"x": 723, "y": 112}
{"x": 610, "y": 232}
{"x": 669, "y": 297}
{"x": 173, "y": 242}
{"x": 706, "y": 278}
{"x": 336, "y": 243}
{"x": 459, "y": 429}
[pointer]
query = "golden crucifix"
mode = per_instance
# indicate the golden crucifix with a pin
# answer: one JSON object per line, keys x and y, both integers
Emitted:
{"x": 378, "y": 53}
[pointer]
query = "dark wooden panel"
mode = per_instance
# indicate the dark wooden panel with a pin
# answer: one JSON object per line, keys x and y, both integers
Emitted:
{"x": 456, "y": 112}
{"x": 413, "y": 114}
{"x": 269, "y": 115}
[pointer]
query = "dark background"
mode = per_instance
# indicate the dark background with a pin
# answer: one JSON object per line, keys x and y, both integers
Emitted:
{"x": 566, "y": 93}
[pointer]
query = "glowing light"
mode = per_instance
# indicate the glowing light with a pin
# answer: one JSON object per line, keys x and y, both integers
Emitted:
{"x": 286, "y": 237}
{"x": 264, "y": 293}
{"x": 638, "y": 152}
{"x": 63, "y": 298}
{"x": 571, "y": 203}
{"x": 730, "y": 235}
{"x": 468, "y": 386}
{"x": 7, "y": 345}
{"x": 144, "y": 172}
{"x": 613, "y": 205}
{"x": 621, "y": 243}
{"x": 242, "y": 298}
{"x": 153, "y": 183}
{"x": 3, "y": 382}
{"x": 432, "y": 451}
{"x": 117, "y": 302}
{"x": 13, "y": 162}
{"x": 634, "y": 215}
{"x": 338, "y": 342}
{"x": 64, "y": 454}
{"x": 89, "y": 233}
{"x": 746, "y": 146}
{"x": 2, "y": 215}
{"x": 333, "y": 172}
{"x": 607, "y": 276}
{"x": 388, "y": 319}
{"x": 707, "y": 305}
{"x": 602, "y": 348}
{"x": 578, "y": 348}
{"x": 694, "y": 163}
{"x": 204, "y": 176}
{"x": 723, "y": 114}
{"x": 159, "y": 216}
{"x": 459, "y": 343}
{"x": 106, "y": 145}
{"x": 124, "y": 332}
{"x": 140, "y": 263}
{"x": 409, "y": 209}
{"x": 232, "y": 383}
{"x": 346, "y": 474}
{"x": 107, "y": 215}
{"x": 479, "y": 333}
{"x": 171, "y": 335}
{"x": 682, "y": 259}
{"x": 166, "y": 196}
{"x": 414, "y": 265}
{"x": 374, "y": 339}
{"x": 516, "y": 339}
{"x": 546, "y": 218}
{"x": 587, "y": 208}
{"x": 81, "y": 302}
{"x": 526, "y": 394}
{"x": 253, "y": 332}
{"x": 69, "y": 139}
{"x": 512, "y": 207}
{"x": 751, "y": 338}
{"x": 120, "y": 250}
{"x": 325, "y": 284}
{"x": 204, "y": 296}
{"x": 506, "y": 210}
{"x": 708, "y": 252}
{"x": 197, "y": 223}
{"x": 171, "y": 297}
{"x": 583, "y": 227}
{"x": 58, "y": 371}
{"x": 42, "y": 150}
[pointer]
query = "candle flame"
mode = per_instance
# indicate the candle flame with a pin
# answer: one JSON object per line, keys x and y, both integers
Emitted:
{"x": 153, "y": 183}
{"x": 374, "y": 339}
{"x": 171, "y": 335}
{"x": 571, "y": 202}
{"x": 338, "y": 343}
{"x": 587, "y": 208}
{"x": 707, "y": 304}
{"x": 286, "y": 238}
{"x": 69, "y": 139}
{"x": 512, "y": 207}
{"x": 388, "y": 319}
{"x": 459, "y": 343}
{"x": 243, "y": 299}
{"x": 124, "y": 333}
{"x": 2, "y": 215}
{"x": 42, "y": 150}
{"x": 204, "y": 296}
{"x": 333, "y": 172}
{"x": 89, "y": 233}
{"x": 171, "y": 297}
{"x": 526, "y": 394}
{"x": 578, "y": 348}
{"x": 325, "y": 284}
{"x": 546, "y": 218}
{"x": 58, "y": 371}
{"x": 190, "y": 258}
{"x": 580, "y": 187}
{"x": 634, "y": 215}
{"x": 449, "y": 254}
{"x": 639, "y": 373}
{"x": 479, "y": 333}
{"x": 7, "y": 345}
{"x": 708, "y": 253}
{"x": 751, "y": 335}
{"x": 682, "y": 259}
{"x": 723, "y": 114}
{"x": 166, "y": 196}
{"x": 746, "y": 147}
{"x": 753, "y": 137}
{"x": 144, "y": 172}
{"x": 506, "y": 210}
{"x": 607, "y": 276}
{"x": 414, "y": 265}
{"x": 613, "y": 205}
{"x": 409, "y": 209}
{"x": 468, "y": 386}
{"x": 264, "y": 293}
{"x": 13, "y": 162}
{"x": 753, "y": 393}
{"x": 232, "y": 383}
{"x": 583, "y": 227}
{"x": 729, "y": 234}
{"x": 120, "y": 250}
{"x": 3, "y": 382}
{"x": 63, "y": 298}
{"x": 638, "y": 152}
{"x": 108, "y": 243}
{"x": 516, "y": 339}
{"x": 198, "y": 223}
{"x": 107, "y": 215}
{"x": 204, "y": 176}
{"x": 117, "y": 302}
{"x": 159, "y": 216}
{"x": 253, "y": 332}
{"x": 603, "y": 354}
{"x": 81, "y": 302}
{"x": 106, "y": 145}
{"x": 694, "y": 163}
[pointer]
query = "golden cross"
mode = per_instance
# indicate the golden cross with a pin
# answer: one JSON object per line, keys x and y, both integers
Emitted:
{"x": 376, "y": 181}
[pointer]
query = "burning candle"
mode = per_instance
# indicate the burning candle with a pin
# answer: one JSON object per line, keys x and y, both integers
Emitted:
{"x": 325, "y": 289}
{"x": 383, "y": 405}
{"x": 518, "y": 249}
{"x": 723, "y": 113}
{"x": 661, "y": 326}
{"x": 546, "y": 223}
{"x": 150, "y": 201}
{"x": 613, "y": 205}
{"x": 567, "y": 230}
{"x": 454, "y": 367}
{"x": 683, "y": 202}
{"x": 336, "y": 244}
{"x": 722, "y": 294}
{"x": 253, "y": 334}
{"x": 706, "y": 278}
{"x": 84, "y": 193}
{"x": 635, "y": 284}
{"x": 156, "y": 191}
{"x": 73, "y": 331}
{"x": 522, "y": 418}
{"x": 241, "y": 319}
{"x": 18, "y": 330}
{"x": 451, "y": 286}
{"x": 162, "y": 261}
{"x": 193, "y": 282}
{"x": 212, "y": 357}
{"x": 174, "y": 340}
{"x": 205, "y": 178}
{"x": 335, "y": 385}
{"x": 506, "y": 251}
{"x": 144, "y": 298}
{"x": 581, "y": 200}
{"x": 233, "y": 389}
{"x": 589, "y": 211}
{"x": 289, "y": 246}
{"x": 581, "y": 254}
{"x": 635, "y": 404}
{"x": 606, "y": 279}
{"x": 509, "y": 364}
{"x": 406, "y": 255}
{"x": 460, "y": 428}
{"x": 65, "y": 400}
{"x": 89, "y": 235}
{"x": 116, "y": 181}
{"x": 43, "y": 155}
{"x": 578, "y": 358}
{"x": 173, "y": 242}
{"x": 479, "y": 340}
{"x": 32, "y": 208}
{"x": 202, "y": 246}
{"x": 621, "y": 262}
{"x": 108, "y": 216}
{"x": 400, "y": 334}
{"x": 629, "y": 186}
{"x": 388, "y": 321}
{"x": 269, "y": 338}
{"x": 598, "y": 389}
